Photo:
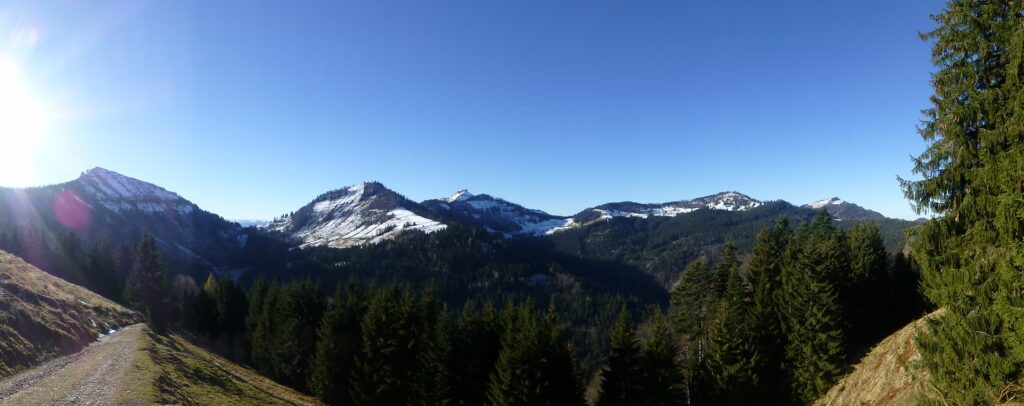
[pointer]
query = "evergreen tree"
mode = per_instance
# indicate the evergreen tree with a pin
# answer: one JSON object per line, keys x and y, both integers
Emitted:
{"x": 732, "y": 354}
{"x": 383, "y": 367}
{"x": 692, "y": 300}
{"x": 435, "y": 373}
{"x": 813, "y": 315}
{"x": 765, "y": 274}
{"x": 478, "y": 343}
{"x": 971, "y": 255}
{"x": 727, "y": 264}
{"x": 621, "y": 381}
{"x": 261, "y": 326}
{"x": 232, "y": 307}
{"x": 292, "y": 323}
{"x": 339, "y": 340}
{"x": 148, "y": 289}
{"x": 534, "y": 367}
{"x": 870, "y": 289}
{"x": 661, "y": 375}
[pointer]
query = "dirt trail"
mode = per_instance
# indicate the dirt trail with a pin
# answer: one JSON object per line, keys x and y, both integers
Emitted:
{"x": 89, "y": 377}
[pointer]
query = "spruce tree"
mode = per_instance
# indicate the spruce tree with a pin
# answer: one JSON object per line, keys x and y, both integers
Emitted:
{"x": 292, "y": 323}
{"x": 148, "y": 289}
{"x": 870, "y": 287}
{"x": 812, "y": 312}
{"x": 692, "y": 301}
{"x": 477, "y": 343}
{"x": 534, "y": 367}
{"x": 732, "y": 354}
{"x": 264, "y": 336}
{"x": 765, "y": 274}
{"x": 384, "y": 366}
{"x": 436, "y": 363}
{"x": 662, "y": 377}
{"x": 338, "y": 340}
{"x": 727, "y": 263}
{"x": 970, "y": 254}
{"x": 621, "y": 381}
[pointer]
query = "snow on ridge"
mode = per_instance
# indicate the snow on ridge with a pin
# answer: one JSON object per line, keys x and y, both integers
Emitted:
{"x": 458, "y": 196}
{"x": 351, "y": 217}
{"x": 817, "y": 204}
{"x": 118, "y": 193}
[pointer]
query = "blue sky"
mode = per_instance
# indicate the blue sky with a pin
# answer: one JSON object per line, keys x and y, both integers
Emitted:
{"x": 252, "y": 108}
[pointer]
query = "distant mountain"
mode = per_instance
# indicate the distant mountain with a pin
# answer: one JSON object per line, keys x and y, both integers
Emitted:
{"x": 359, "y": 214}
{"x": 102, "y": 204}
{"x": 251, "y": 222}
{"x": 845, "y": 211}
{"x": 728, "y": 201}
{"x": 496, "y": 215}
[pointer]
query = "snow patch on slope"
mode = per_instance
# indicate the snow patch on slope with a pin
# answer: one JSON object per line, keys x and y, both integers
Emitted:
{"x": 120, "y": 193}
{"x": 835, "y": 201}
{"x": 354, "y": 216}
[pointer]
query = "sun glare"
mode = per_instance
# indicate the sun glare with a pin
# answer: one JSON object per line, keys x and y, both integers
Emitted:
{"x": 22, "y": 126}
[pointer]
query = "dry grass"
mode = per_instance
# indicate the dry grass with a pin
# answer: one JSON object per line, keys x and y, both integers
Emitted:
{"x": 170, "y": 370}
{"x": 42, "y": 316}
{"x": 887, "y": 376}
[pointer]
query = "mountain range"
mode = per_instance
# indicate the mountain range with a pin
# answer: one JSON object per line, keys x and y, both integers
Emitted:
{"x": 102, "y": 204}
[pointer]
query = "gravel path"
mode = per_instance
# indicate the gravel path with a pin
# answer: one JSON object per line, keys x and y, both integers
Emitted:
{"x": 89, "y": 377}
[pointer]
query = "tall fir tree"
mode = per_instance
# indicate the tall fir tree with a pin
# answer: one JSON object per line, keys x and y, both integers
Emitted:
{"x": 339, "y": 340}
{"x": 148, "y": 288}
{"x": 870, "y": 289}
{"x": 661, "y": 374}
{"x": 293, "y": 321}
{"x": 692, "y": 301}
{"x": 621, "y": 381}
{"x": 728, "y": 262}
{"x": 478, "y": 343}
{"x": 534, "y": 367}
{"x": 389, "y": 332}
{"x": 765, "y": 274}
{"x": 812, "y": 312}
{"x": 971, "y": 255}
{"x": 436, "y": 362}
{"x": 732, "y": 351}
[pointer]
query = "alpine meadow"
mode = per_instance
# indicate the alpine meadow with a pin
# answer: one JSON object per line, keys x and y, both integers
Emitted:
{"x": 251, "y": 203}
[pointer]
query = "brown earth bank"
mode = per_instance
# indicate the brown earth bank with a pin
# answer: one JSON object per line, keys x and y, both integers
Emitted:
{"x": 42, "y": 316}
{"x": 889, "y": 375}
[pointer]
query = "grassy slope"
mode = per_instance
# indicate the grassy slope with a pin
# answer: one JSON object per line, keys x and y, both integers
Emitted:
{"x": 888, "y": 375}
{"x": 42, "y": 316}
{"x": 169, "y": 370}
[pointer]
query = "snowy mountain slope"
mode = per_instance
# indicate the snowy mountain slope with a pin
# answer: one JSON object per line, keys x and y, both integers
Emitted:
{"x": 729, "y": 201}
{"x": 845, "y": 211}
{"x": 359, "y": 214}
{"x": 103, "y": 204}
{"x": 496, "y": 215}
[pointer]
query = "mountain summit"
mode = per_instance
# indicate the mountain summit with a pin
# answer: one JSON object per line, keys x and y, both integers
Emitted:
{"x": 844, "y": 211}
{"x": 496, "y": 215}
{"x": 728, "y": 201}
{"x": 367, "y": 212}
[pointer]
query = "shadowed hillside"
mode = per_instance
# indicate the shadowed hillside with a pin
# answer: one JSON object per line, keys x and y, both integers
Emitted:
{"x": 42, "y": 316}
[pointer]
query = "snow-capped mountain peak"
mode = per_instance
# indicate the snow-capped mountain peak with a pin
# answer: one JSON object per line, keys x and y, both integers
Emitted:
{"x": 729, "y": 201}
{"x": 496, "y": 215}
{"x": 107, "y": 183}
{"x": 817, "y": 204}
{"x": 459, "y": 196}
{"x": 363, "y": 213}
{"x": 842, "y": 210}
{"x": 120, "y": 193}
